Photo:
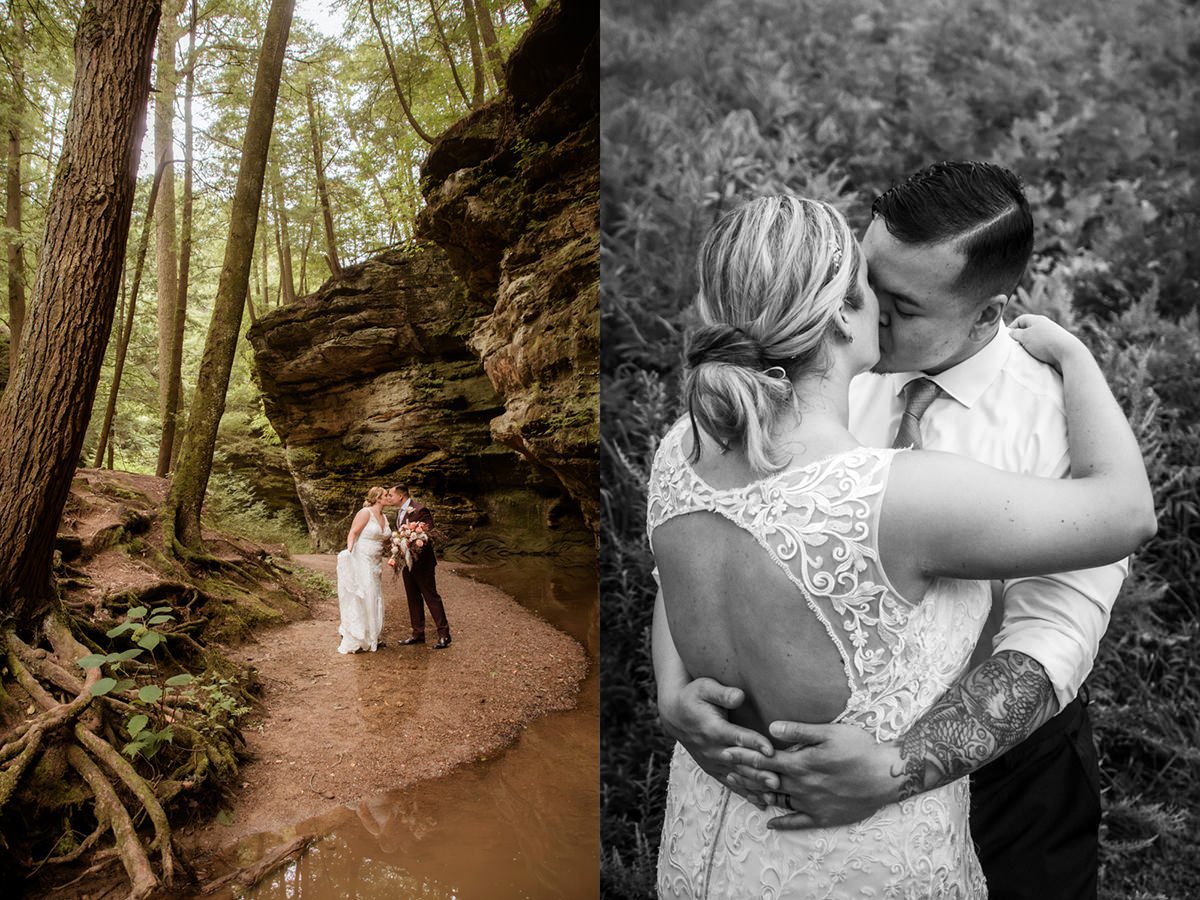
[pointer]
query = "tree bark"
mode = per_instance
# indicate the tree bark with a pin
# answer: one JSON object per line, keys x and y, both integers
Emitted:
{"x": 15, "y": 257}
{"x": 304, "y": 248}
{"x": 491, "y": 45}
{"x": 167, "y": 450}
{"x": 166, "y": 259}
{"x": 110, "y": 408}
{"x": 421, "y": 133}
{"x": 181, "y": 519}
{"x": 45, "y": 411}
{"x": 283, "y": 243}
{"x": 335, "y": 265}
{"x": 12, "y": 217}
{"x": 263, "y": 273}
{"x": 441, "y": 35}
{"x": 476, "y": 54}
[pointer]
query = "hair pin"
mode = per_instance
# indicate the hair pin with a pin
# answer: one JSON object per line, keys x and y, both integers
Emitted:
{"x": 775, "y": 372}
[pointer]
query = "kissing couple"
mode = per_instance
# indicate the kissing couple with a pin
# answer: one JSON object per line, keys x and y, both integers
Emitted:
{"x": 873, "y": 461}
{"x": 359, "y": 580}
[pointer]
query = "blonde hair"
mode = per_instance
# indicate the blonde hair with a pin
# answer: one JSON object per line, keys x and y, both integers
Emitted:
{"x": 773, "y": 275}
{"x": 373, "y": 495}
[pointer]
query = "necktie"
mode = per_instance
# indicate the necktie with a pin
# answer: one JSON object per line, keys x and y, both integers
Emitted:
{"x": 918, "y": 394}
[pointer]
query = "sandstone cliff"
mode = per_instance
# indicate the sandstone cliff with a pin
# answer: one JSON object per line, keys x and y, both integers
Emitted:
{"x": 467, "y": 364}
{"x": 512, "y": 194}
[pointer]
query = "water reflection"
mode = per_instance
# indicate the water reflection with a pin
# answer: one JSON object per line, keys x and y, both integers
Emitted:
{"x": 522, "y": 825}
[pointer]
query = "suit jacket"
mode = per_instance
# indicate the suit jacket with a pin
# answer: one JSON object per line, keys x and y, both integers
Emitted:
{"x": 419, "y": 513}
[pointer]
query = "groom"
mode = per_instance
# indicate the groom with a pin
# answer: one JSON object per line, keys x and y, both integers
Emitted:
{"x": 420, "y": 584}
{"x": 945, "y": 250}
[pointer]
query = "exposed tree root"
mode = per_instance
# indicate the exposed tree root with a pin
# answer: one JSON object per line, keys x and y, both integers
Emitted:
{"x": 110, "y": 811}
{"x": 86, "y": 731}
{"x": 252, "y": 875}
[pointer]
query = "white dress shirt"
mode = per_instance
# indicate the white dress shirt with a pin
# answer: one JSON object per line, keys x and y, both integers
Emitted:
{"x": 1004, "y": 408}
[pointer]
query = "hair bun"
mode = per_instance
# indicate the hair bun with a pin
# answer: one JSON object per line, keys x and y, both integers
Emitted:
{"x": 725, "y": 344}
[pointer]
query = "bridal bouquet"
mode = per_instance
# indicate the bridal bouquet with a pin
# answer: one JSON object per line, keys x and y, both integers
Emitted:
{"x": 408, "y": 541}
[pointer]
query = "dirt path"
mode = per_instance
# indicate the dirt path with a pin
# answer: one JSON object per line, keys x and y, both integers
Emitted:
{"x": 333, "y": 729}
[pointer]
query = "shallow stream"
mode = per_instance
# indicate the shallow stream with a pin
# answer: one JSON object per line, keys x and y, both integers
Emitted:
{"x": 522, "y": 824}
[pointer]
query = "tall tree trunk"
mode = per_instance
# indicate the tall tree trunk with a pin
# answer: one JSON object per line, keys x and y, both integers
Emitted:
{"x": 264, "y": 273}
{"x": 476, "y": 53}
{"x": 335, "y": 265}
{"x": 308, "y": 237}
{"x": 44, "y": 413}
{"x": 250, "y": 304}
{"x": 12, "y": 216}
{"x": 167, "y": 449}
{"x": 441, "y": 35}
{"x": 181, "y": 519}
{"x": 166, "y": 259}
{"x": 283, "y": 242}
{"x": 110, "y": 408}
{"x": 491, "y": 45}
{"x": 387, "y": 52}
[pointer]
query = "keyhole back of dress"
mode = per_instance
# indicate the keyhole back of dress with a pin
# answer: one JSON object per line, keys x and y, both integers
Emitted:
{"x": 736, "y": 616}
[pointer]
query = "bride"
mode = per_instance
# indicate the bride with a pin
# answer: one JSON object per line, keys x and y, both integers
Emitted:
{"x": 359, "y": 584}
{"x": 787, "y": 553}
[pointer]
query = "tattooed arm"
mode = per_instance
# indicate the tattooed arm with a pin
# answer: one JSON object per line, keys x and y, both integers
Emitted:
{"x": 995, "y": 707}
{"x": 838, "y": 774}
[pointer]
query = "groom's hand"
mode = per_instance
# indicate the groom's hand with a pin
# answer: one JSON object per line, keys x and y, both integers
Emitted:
{"x": 697, "y": 715}
{"x": 831, "y": 775}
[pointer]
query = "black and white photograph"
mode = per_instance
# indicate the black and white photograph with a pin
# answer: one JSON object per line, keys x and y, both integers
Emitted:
{"x": 899, "y": 444}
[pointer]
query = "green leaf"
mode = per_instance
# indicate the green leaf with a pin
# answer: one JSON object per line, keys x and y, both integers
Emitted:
{"x": 160, "y": 609}
{"x": 91, "y": 660}
{"x": 136, "y": 724}
{"x": 124, "y": 684}
{"x": 133, "y": 748}
{"x": 132, "y": 653}
{"x": 103, "y": 686}
{"x": 158, "y": 620}
{"x": 150, "y": 693}
{"x": 120, "y": 629}
{"x": 178, "y": 680}
{"x": 137, "y": 612}
{"x": 150, "y": 640}
{"x": 166, "y": 735}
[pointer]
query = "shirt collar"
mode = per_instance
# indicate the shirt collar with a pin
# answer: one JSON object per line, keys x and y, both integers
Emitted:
{"x": 405, "y": 507}
{"x": 967, "y": 381}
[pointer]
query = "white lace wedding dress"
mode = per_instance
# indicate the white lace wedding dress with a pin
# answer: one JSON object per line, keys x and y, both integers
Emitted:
{"x": 360, "y": 589}
{"x": 818, "y": 524}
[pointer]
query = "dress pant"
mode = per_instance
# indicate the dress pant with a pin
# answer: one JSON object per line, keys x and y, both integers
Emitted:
{"x": 420, "y": 587}
{"x": 1035, "y": 813}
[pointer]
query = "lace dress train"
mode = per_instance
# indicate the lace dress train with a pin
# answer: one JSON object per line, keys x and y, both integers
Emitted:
{"x": 360, "y": 589}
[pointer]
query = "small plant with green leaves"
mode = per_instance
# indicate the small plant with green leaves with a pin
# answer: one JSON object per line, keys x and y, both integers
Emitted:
{"x": 142, "y": 626}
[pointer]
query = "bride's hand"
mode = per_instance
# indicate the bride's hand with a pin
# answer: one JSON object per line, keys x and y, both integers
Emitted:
{"x": 1045, "y": 340}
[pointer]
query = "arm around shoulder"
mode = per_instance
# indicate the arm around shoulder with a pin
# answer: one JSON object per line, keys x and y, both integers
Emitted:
{"x": 958, "y": 518}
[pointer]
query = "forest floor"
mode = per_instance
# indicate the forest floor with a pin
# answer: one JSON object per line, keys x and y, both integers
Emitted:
{"x": 324, "y": 729}
{"x": 333, "y": 729}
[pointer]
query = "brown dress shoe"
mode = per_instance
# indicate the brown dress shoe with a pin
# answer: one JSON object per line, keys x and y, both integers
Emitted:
{"x": 442, "y": 643}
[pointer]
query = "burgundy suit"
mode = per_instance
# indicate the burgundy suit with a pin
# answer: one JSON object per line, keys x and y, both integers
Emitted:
{"x": 420, "y": 585}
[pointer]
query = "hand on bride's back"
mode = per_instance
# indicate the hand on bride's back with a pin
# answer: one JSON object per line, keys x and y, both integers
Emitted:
{"x": 1044, "y": 339}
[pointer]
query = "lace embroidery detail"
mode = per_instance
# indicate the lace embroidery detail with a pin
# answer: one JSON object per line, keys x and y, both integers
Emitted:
{"x": 818, "y": 524}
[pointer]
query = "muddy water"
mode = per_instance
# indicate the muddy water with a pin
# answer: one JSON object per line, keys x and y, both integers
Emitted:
{"x": 523, "y": 824}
